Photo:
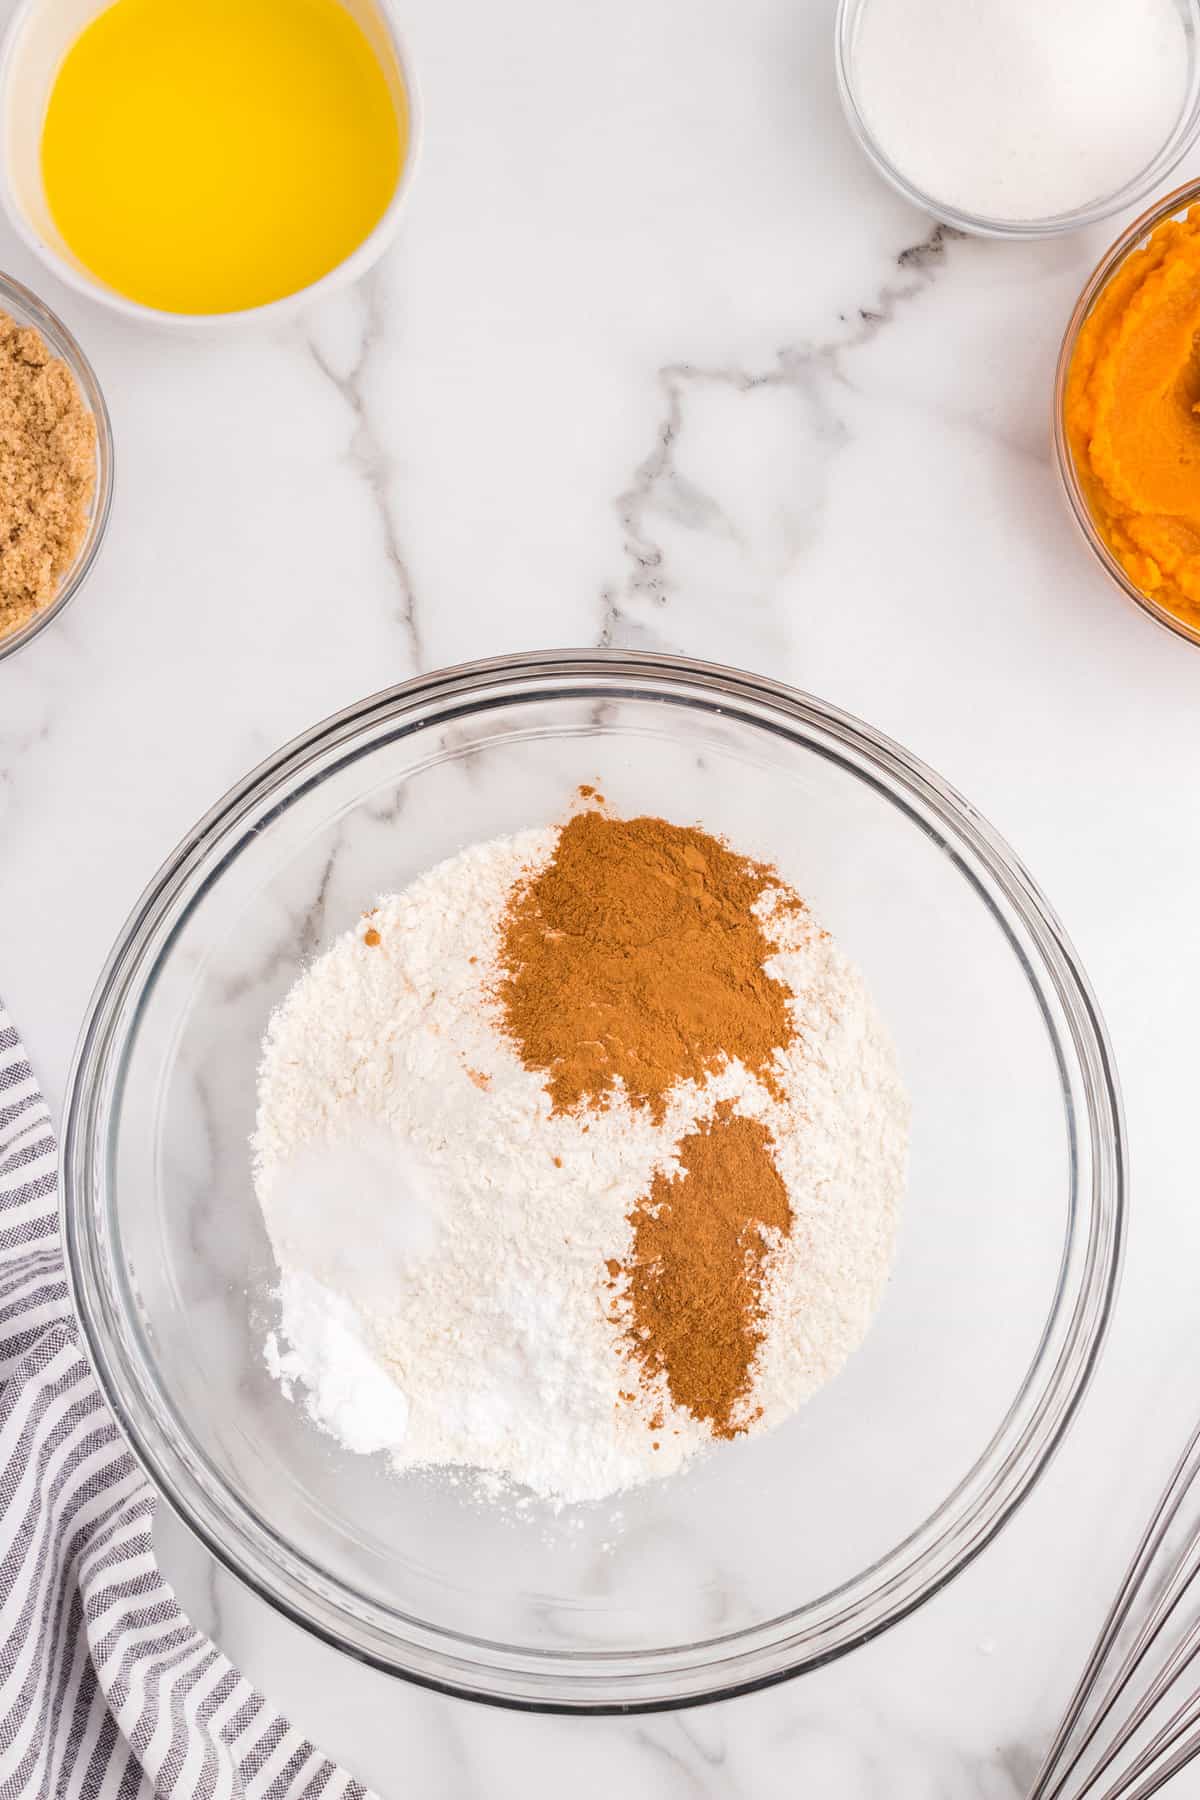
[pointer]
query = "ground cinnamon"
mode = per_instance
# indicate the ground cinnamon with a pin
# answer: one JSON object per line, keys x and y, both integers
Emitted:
{"x": 634, "y": 959}
{"x": 694, "y": 1283}
{"x": 635, "y": 956}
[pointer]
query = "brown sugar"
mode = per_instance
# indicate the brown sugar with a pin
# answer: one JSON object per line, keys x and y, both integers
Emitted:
{"x": 696, "y": 1271}
{"x": 635, "y": 954}
{"x": 47, "y": 473}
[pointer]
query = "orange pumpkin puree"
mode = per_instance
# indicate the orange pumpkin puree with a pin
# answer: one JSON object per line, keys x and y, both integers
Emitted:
{"x": 1133, "y": 415}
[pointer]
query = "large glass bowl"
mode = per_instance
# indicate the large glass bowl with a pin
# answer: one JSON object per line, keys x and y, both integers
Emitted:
{"x": 771, "y": 1556}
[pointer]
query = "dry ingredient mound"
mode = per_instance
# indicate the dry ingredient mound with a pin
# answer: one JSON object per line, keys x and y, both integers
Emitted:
{"x": 47, "y": 473}
{"x": 579, "y": 1155}
{"x": 635, "y": 957}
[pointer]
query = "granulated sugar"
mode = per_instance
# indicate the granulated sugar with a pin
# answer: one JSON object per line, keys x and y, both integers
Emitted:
{"x": 432, "y": 1214}
{"x": 1020, "y": 109}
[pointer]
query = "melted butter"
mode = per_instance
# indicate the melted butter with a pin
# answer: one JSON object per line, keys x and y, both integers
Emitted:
{"x": 207, "y": 155}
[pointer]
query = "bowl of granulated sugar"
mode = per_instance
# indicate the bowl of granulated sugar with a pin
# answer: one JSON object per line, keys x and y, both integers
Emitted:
{"x": 594, "y": 1181}
{"x": 56, "y": 466}
{"x": 1013, "y": 118}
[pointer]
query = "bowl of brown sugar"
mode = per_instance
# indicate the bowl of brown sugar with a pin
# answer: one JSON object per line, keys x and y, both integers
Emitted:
{"x": 56, "y": 466}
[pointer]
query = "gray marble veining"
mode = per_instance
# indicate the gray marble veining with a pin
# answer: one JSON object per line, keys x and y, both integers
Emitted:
{"x": 367, "y": 453}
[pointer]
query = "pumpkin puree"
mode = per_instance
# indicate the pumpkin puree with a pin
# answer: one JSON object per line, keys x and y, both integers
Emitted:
{"x": 1133, "y": 415}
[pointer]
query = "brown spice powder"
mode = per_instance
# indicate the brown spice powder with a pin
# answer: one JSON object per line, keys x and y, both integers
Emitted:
{"x": 47, "y": 472}
{"x": 635, "y": 954}
{"x": 695, "y": 1280}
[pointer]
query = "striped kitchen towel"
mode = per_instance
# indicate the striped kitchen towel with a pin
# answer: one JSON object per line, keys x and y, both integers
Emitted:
{"x": 106, "y": 1690}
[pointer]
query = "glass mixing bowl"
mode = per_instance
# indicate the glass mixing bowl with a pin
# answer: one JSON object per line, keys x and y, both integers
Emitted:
{"x": 770, "y": 1556}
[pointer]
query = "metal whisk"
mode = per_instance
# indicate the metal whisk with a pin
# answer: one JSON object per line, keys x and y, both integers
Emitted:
{"x": 1134, "y": 1720}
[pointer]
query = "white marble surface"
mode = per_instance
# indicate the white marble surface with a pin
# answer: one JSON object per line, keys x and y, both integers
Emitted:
{"x": 657, "y": 362}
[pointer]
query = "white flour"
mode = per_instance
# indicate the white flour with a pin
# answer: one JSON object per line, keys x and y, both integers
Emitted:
{"x": 442, "y": 1238}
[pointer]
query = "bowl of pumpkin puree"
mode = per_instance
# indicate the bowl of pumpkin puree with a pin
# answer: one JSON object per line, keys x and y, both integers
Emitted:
{"x": 1127, "y": 411}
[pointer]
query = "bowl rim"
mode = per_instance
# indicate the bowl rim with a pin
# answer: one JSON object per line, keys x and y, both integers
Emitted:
{"x": 16, "y": 296}
{"x": 1134, "y": 235}
{"x": 1174, "y": 148}
{"x": 591, "y": 1682}
{"x": 351, "y": 268}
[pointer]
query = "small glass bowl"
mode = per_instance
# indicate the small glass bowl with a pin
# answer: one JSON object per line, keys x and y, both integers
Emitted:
{"x": 27, "y": 309}
{"x": 1174, "y": 203}
{"x": 1178, "y": 142}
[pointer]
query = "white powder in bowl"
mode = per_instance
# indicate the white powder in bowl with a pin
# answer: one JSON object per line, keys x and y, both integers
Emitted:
{"x": 443, "y": 1237}
{"x": 350, "y": 1392}
{"x": 1020, "y": 109}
